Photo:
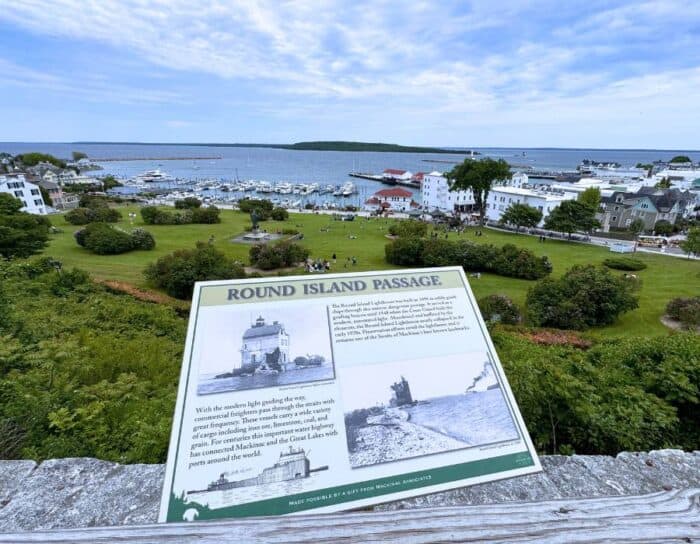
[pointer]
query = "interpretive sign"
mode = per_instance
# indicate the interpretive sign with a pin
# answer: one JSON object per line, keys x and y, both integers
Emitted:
{"x": 337, "y": 391}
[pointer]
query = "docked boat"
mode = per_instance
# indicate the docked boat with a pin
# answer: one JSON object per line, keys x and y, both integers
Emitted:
{"x": 153, "y": 176}
{"x": 284, "y": 188}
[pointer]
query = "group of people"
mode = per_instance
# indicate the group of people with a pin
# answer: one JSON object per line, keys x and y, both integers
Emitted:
{"x": 317, "y": 265}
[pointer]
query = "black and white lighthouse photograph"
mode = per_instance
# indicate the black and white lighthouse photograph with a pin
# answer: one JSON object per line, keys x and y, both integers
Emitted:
{"x": 408, "y": 409}
{"x": 251, "y": 350}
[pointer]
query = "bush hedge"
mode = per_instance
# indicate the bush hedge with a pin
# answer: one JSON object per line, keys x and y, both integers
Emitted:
{"x": 152, "y": 215}
{"x": 263, "y": 207}
{"x": 104, "y": 239}
{"x": 188, "y": 203}
{"x": 624, "y": 263}
{"x": 280, "y": 255}
{"x": 586, "y": 296}
{"x": 499, "y": 309}
{"x": 407, "y": 229}
{"x": 178, "y": 271}
{"x": 685, "y": 310}
{"x": 507, "y": 260}
{"x": 84, "y": 215}
{"x": 279, "y": 214}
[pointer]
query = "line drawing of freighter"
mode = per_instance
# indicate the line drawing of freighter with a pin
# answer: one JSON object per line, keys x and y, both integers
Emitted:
{"x": 291, "y": 465}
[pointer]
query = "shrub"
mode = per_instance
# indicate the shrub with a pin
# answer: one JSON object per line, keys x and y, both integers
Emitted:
{"x": 92, "y": 201}
{"x": 279, "y": 214}
{"x": 499, "y": 309}
{"x": 263, "y": 207}
{"x": 405, "y": 252}
{"x": 405, "y": 229}
{"x": 79, "y": 216}
{"x": 104, "y": 239}
{"x": 584, "y": 297}
{"x": 84, "y": 215}
{"x": 67, "y": 281}
{"x": 624, "y": 263}
{"x": 685, "y": 310}
{"x": 208, "y": 215}
{"x": 663, "y": 228}
{"x": 178, "y": 271}
{"x": 142, "y": 239}
{"x": 290, "y": 231}
{"x": 187, "y": 203}
{"x": 508, "y": 260}
{"x": 156, "y": 216}
{"x": 271, "y": 256}
{"x": 149, "y": 214}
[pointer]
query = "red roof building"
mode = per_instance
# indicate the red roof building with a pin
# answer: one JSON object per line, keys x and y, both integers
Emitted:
{"x": 395, "y": 199}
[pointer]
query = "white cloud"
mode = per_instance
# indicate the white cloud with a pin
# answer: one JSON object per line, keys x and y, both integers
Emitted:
{"x": 452, "y": 64}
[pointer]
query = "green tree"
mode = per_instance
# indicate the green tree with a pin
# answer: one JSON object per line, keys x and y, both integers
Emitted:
{"x": 9, "y": 205}
{"x": 478, "y": 176}
{"x": 178, "y": 271}
{"x": 521, "y": 215}
{"x": 680, "y": 159}
{"x": 45, "y": 196}
{"x": 691, "y": 245}
{"x": 665, "y": 183}
{"x": 584, "y": 297}
{"x": 636, "y": 227}
{"x": 571, "y": 216}
{"x": 110, "y": 182}
{"x": 663, "y": 228}
{"x": 32, "y": 159}
{"x": 77, "y": 155}
{"x": 590, "y": 197}
{"x": 21, "y": 234}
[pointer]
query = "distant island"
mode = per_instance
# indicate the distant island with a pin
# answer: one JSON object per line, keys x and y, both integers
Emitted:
{"x": 313, "y": 146}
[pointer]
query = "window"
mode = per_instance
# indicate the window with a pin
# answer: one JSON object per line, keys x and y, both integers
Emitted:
{"x": 19, "y": 194}
{"x": 614, "y": 218}
{"x": 617, "y": 208}
{"x": 24, "y": 204}
{"x": 35, "y": 192}
{"x": 38, "y": 202}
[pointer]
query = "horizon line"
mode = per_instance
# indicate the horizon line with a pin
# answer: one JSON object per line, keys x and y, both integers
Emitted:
{"x": 266, "y": 144}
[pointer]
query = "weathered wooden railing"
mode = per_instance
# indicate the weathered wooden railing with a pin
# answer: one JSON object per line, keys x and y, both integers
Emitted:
{"x": 668, "y": 516}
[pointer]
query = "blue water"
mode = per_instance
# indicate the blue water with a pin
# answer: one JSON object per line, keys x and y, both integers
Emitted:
{"x": 323, "y": 167}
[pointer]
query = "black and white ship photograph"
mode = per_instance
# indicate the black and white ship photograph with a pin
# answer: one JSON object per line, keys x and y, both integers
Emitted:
{"x": 291, "y": 472}
{"x": 407, "y": 409}
{"x": 251, "y": 350}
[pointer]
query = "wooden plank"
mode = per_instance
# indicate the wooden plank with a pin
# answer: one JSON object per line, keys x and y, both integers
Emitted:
{"x": 658, "y": 517}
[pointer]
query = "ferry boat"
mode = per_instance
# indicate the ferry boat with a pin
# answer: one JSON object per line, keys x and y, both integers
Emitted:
{"x": 291, "y": 465}
{"x": 150, "y": 176}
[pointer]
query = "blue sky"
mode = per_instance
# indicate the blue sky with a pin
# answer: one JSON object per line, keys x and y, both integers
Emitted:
{"x": 480, "y": 73}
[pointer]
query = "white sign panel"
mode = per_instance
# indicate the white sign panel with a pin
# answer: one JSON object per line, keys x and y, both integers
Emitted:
{"x": 330, "y": 392}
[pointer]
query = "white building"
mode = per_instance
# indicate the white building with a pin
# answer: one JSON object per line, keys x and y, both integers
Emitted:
{"x": 436, "y": 194}
{"x": 29, "y": 194}
{"x": 261, "y": 341}
{"x": 69, "y": 177}
{"x": 502, "y": 197}
{"x": 395, "y": 199}
{"x": 680, "y": 178}
{"x": 399, "y": 175}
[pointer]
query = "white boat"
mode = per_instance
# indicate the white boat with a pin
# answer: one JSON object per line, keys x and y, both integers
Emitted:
{"x": 284, "y": 188}
{"x": 151, "y": 176}
{"x": 264, "y": 187}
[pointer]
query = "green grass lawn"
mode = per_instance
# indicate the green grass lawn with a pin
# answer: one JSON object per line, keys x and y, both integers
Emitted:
{"x": 663, "y": 279}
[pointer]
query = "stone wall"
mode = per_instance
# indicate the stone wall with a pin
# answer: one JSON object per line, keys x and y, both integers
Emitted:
{"x": 65, "y": 493}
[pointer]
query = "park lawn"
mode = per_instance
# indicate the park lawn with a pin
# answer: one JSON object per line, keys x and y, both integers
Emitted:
{"x": 663, "y": 279}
